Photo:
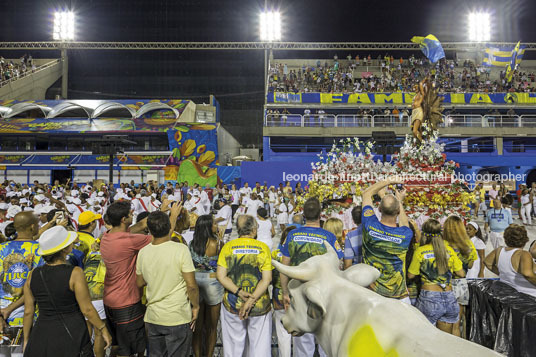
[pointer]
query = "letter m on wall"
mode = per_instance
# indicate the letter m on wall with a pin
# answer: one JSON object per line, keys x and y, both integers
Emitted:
{"x": 393, "y": 98}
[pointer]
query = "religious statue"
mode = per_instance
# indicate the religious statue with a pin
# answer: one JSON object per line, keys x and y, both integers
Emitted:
{"x": 425, "y": 109}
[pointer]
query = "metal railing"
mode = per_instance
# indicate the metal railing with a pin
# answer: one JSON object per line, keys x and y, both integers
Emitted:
{"x": 29, "y": 72}
{"x": 381, "y": 121}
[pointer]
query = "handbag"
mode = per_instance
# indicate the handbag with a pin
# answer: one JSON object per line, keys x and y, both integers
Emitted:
{"x": 87, "y": 350}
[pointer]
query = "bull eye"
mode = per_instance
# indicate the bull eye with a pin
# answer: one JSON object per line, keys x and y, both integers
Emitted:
{"x": 313, "y": 311}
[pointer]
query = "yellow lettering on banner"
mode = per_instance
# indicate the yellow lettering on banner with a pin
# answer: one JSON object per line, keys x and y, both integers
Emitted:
{"x": 337, "y": 98}
{"x": 457, "y": 98}
{"x": 359, "y": 98}
{"x": 480, "y": 98}
{"x": 394, "y": 98}
{"x": 525, "y": 98}
{"x": 364, "y": 343}
{"x": 326, "y": 98}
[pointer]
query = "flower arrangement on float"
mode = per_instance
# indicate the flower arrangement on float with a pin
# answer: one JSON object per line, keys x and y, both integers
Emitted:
{"x": 348, "y": 169}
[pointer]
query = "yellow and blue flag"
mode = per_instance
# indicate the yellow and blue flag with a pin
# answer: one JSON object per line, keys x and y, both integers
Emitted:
{"x": 430, "y": 46}
{"x": 502, "y": 56}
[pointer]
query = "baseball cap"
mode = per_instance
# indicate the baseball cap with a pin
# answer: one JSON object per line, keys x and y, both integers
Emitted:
{"x": 55, "y": 239}
{"x": 87, "y": 217}
{"x": 4, "y": 206}
{"x": 13, "y": 211}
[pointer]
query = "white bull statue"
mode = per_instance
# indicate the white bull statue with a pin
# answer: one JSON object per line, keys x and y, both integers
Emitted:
{"x": 350, "y": 320}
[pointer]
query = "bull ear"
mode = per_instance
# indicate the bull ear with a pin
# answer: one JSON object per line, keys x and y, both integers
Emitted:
{"x": 316, "y": 307}
{"x": 362, "y": 274}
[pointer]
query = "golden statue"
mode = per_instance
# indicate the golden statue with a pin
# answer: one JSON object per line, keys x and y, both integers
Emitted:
{"x": 425, "y": 108}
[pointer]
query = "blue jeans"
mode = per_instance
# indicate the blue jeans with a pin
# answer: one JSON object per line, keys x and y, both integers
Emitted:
{"x": 439, "y": 305}
{"x": 171, "y": 341}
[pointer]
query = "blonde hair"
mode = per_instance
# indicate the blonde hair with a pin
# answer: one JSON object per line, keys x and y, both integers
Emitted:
{"x": 431, "y": 232}
{"x": 335, "y": 226}
{"x": 455, "y": 233}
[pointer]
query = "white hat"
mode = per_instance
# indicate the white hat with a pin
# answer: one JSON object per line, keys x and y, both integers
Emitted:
{"x": 40, "y": 191}
{"x": 100, "y": 194}
{"x": 77, "y": 201}
{"x": 75, "y": 193}
{"x": 39, "y": 198}
{"x": 25, "y": 191}
{"x": 23, "y": 200}
{"x": 55, "y": 239}
{"x": 11, "y": 194}
{"x": 4, "y": 206}
{"x": 44, "y": 209}
{"x": 12, "y": 211}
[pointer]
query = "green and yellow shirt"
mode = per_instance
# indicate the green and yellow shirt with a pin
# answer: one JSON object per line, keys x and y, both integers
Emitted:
{"x": 245, "y": 259}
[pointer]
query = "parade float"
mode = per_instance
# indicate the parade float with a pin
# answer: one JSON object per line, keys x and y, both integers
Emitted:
{"x": 340, "y": 175}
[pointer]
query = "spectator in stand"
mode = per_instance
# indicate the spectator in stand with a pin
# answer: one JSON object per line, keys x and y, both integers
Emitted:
{"x": 514, "y": 265}
{"x": 166, "y": 268}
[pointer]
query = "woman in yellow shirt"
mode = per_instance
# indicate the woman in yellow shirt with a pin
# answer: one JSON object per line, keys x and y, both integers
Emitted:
{"x": 436, "y": 263}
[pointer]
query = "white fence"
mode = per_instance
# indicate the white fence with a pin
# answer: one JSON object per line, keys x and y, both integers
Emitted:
{"x": 348, "y": 120}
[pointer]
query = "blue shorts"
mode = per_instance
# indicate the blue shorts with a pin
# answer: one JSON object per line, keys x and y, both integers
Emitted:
{"x": 439, "y": 305}
{"x": 210, "y": 289}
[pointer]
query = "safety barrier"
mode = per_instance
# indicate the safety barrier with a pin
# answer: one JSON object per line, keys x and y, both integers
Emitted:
{"x": 348, "y": 120}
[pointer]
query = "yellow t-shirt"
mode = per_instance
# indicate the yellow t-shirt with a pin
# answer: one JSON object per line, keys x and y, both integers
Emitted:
{"x": 245, "y": 259}
{"x": 162, "y": 266}
{"x": 424, "y": 264}
{"x": 86, "y": 242}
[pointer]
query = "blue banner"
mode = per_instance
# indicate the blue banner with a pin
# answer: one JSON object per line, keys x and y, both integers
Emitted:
{"x": 276, "y": 172}
{"x": 398, "y": 98}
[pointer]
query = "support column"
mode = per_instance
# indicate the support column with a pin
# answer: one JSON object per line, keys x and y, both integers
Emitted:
{"x": 64, "y": 73}
{"x": 465, "y": 144}
{"x": 499, "y": 145}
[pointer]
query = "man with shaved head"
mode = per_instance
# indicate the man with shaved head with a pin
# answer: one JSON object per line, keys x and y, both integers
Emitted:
{"x": 17, "y": 258}
{"x": 386, "y": 241}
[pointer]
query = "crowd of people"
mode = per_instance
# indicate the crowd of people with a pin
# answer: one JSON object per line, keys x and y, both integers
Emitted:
{"x": 10, "y": 69}
{"x": 157, "y": 267}
{"x": 393, "y": 75}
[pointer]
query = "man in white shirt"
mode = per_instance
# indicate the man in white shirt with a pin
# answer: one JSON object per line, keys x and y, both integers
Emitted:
{"x": 253, "y": 205}
{"x": 246, "y": 190}
{"x": 272, "y": 199}
{"x": 205, "y": 201}
{"x": 224, "y": 218}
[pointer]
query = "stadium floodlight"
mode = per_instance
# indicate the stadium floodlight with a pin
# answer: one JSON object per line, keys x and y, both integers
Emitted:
{"x": 479, "y": 28}
{"x": 63, "y": 26}
{"x": 270, "y": 26}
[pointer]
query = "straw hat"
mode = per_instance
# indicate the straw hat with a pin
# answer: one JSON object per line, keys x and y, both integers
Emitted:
{"x": 55, "y": 239}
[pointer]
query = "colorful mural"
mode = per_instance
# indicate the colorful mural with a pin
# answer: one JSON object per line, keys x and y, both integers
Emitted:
{"x": 194, "y": 154}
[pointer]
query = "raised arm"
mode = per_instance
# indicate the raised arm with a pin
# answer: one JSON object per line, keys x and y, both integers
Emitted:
{"x": 375, "y": 188}
{"x": 402, "y": 217}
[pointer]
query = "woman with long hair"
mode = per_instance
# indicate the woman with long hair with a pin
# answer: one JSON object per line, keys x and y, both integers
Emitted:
{"x": 205, "y": 248}
{"x": 436, "y": 263}
{"x": 474, "y": 231}
{"x": 456, "y": 237}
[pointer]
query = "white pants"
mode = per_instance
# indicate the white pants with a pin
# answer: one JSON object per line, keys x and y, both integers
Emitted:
{"x": 525, "y": 213}
{"x": 304, "y": 346}
{"x": 272, "y": 209}
{"x": 284, "y": 339}
{"x": 257, "y": 329}
{"x": 496, "y": 239}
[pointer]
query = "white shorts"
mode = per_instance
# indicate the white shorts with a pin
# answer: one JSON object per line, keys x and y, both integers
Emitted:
{"x": 99, "y": 306}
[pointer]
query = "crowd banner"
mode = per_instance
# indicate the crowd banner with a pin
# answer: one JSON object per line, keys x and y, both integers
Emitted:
{"x": 398, "y": 98}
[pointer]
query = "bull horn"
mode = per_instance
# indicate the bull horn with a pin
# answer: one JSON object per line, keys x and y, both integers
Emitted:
{"x": 330, "y": 250}
{"x": 298, "y": 272}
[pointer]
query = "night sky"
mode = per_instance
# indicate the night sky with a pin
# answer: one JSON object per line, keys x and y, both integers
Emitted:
{"x": 236, "y": 78}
